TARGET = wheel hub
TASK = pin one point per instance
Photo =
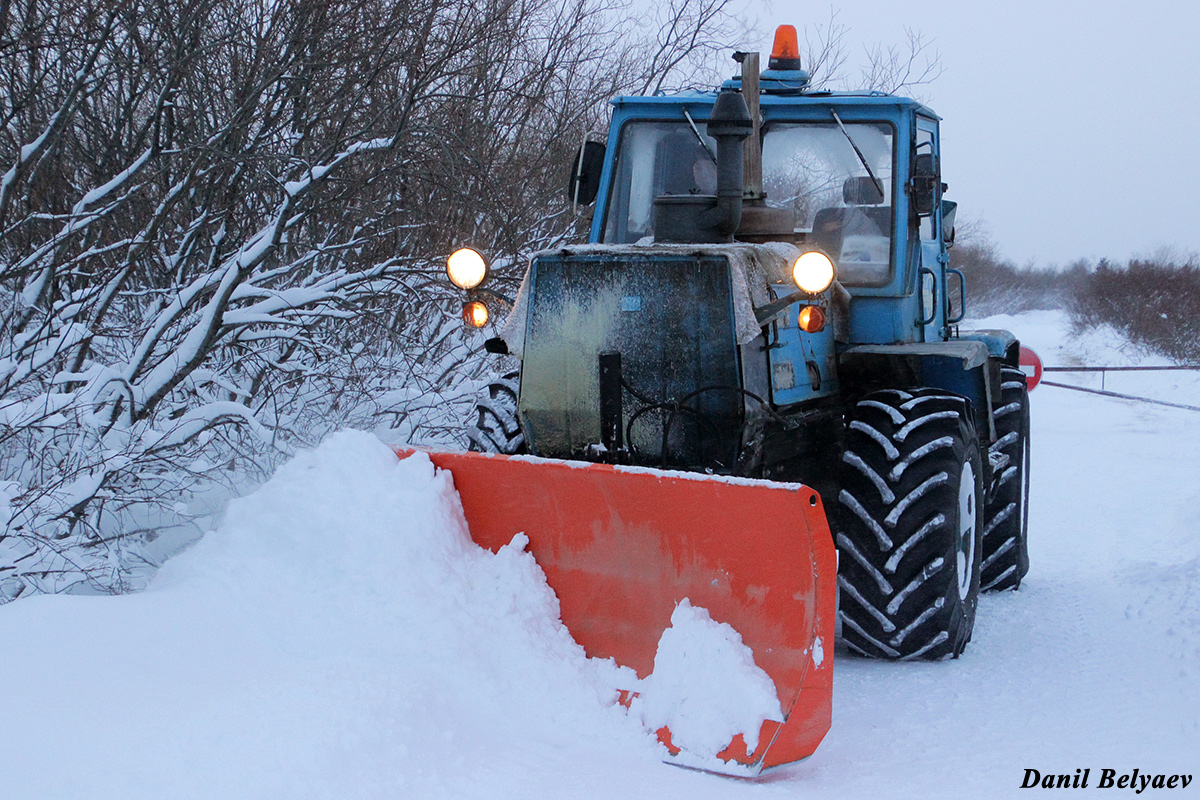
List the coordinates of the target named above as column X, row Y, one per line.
column 967, row 512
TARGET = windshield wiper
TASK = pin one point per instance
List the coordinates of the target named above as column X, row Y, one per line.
column 700, row 138
column 878, row 183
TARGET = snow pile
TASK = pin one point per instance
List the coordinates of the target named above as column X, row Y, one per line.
column 705, row 686
column 349, row 551
column 339, row 629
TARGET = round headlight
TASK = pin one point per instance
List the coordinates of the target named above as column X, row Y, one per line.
column 466, row 268
column 813, row 272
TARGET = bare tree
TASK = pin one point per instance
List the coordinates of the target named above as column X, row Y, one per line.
column 891, row 69
column 894, row 68
column 689, row 35
column 222, row 225
column 824, row 53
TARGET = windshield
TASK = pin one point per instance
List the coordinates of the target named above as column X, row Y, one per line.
column 816, row 170
column 656, row 158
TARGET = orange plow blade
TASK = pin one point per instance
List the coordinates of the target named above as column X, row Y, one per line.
column 621, row 547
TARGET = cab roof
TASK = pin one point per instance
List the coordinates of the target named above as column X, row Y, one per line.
column 772, row 103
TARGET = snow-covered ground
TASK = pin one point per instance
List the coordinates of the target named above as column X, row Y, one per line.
column 340, row 637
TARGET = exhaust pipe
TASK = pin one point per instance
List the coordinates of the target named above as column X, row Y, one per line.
column 709, row 218
column 729, row 124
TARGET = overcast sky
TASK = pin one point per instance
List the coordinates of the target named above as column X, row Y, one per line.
column 1069, row 128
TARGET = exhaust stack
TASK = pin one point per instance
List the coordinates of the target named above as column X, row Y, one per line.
column 705, row 218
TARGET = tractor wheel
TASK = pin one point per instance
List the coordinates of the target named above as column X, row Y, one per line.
column 496, row 427
column 908, row 525
column 1005, row 532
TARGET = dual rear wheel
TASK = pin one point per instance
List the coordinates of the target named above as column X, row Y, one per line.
column 909, row 525
column 919, row 534
column 1006, row 529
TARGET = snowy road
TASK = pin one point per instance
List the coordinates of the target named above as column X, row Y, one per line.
column 295, row 655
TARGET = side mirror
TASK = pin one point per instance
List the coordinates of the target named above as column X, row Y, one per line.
column 585, row 174
column 926, row 175
column 949, row 208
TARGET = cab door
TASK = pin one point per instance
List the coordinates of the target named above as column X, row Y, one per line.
column 931, row 253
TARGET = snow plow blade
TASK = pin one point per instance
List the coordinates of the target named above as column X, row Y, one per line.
column 622, row 546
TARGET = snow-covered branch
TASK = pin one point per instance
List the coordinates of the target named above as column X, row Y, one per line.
column 222, row 226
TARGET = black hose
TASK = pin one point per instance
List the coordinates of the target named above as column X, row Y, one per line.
column 695, row 414
column 636, row 394
column 674, row 408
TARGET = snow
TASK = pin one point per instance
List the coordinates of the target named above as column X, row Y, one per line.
column 318, row 173
column 340, row 636
column 100, row 192
column 208, row 415
column 8, row 492
column 705, row 686
column 340, row 629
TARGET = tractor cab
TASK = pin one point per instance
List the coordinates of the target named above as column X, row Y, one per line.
column 853, row 175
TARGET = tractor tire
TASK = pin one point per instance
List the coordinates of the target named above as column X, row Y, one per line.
column 496, row 427
column 1006, row 526
column 908, row 525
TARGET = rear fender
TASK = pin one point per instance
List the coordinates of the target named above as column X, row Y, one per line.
column 961, row 367
column 1002, row 345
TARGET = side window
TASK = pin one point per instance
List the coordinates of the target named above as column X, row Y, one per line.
column 924, row 144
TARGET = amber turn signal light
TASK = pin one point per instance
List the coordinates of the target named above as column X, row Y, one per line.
column 475, row 314
column 812, row 319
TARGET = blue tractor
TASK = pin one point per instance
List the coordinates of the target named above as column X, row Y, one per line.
column 766, row 294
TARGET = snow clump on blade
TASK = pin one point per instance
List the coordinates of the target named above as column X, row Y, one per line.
column 705, row 686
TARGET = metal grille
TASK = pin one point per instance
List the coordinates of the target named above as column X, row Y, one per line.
column 671, row 319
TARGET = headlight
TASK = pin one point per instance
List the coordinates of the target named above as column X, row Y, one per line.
column 475, row 314
column 466, row 268
column 813, row 272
